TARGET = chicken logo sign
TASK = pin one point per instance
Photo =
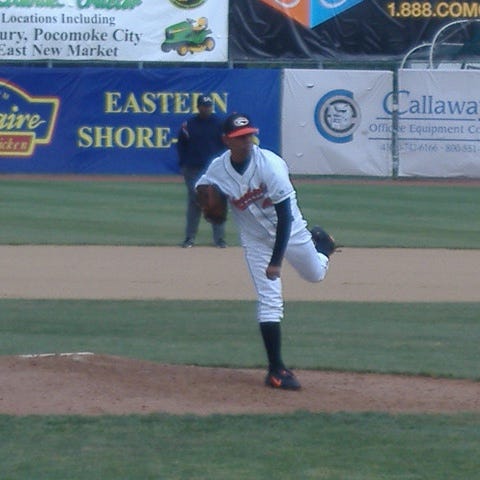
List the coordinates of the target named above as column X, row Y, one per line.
column 25, row 120
column 311, row 13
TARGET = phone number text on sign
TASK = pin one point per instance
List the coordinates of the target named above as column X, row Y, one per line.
column 408, row 146
column 437, row 10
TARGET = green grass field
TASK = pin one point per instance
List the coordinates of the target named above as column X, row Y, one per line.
column 428, row 339
column 147, row 213
column 297, row 446
column 439, row 340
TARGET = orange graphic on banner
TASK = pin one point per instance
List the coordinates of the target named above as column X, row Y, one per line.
column 299, row 10
column 311, row 13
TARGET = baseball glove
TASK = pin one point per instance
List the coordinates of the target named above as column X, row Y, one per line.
column 324, row 243
column 213, row 203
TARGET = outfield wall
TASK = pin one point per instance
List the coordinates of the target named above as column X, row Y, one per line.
column 118, row 121
column 323, row 122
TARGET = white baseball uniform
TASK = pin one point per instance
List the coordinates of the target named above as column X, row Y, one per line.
column 252, row 196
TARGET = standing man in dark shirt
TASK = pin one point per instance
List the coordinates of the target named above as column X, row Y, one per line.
column 199, row 142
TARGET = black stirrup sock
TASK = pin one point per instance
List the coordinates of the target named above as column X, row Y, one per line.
column 272, row 339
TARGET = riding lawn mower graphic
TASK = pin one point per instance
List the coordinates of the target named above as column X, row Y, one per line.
column 189, row 36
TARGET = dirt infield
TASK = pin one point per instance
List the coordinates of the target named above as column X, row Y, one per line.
column 97, row 272
column 95, row 384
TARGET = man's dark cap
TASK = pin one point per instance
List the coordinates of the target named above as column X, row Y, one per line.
column 204, row 100
column 238, row 124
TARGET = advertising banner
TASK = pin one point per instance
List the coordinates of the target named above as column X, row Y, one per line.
column 334, row 122
column 346, row 29
column 109, row 31
column 438, row 126
column 119, row 121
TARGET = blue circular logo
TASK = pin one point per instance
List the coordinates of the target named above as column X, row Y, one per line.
column 337, row 116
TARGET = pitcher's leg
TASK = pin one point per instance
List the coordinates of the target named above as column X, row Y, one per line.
column 269, row 293
column 269, row 315
column 309, row 264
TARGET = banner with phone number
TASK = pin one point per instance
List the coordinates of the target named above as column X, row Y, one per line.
column 438, row 123
column 346, row 29
column 119, row 121
column 335, row 122
column 113, row 31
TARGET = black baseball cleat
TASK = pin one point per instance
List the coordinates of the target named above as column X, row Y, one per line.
column 324, row 243
column 283, row 379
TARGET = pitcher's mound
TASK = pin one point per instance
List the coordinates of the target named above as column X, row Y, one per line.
column 91, row 384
